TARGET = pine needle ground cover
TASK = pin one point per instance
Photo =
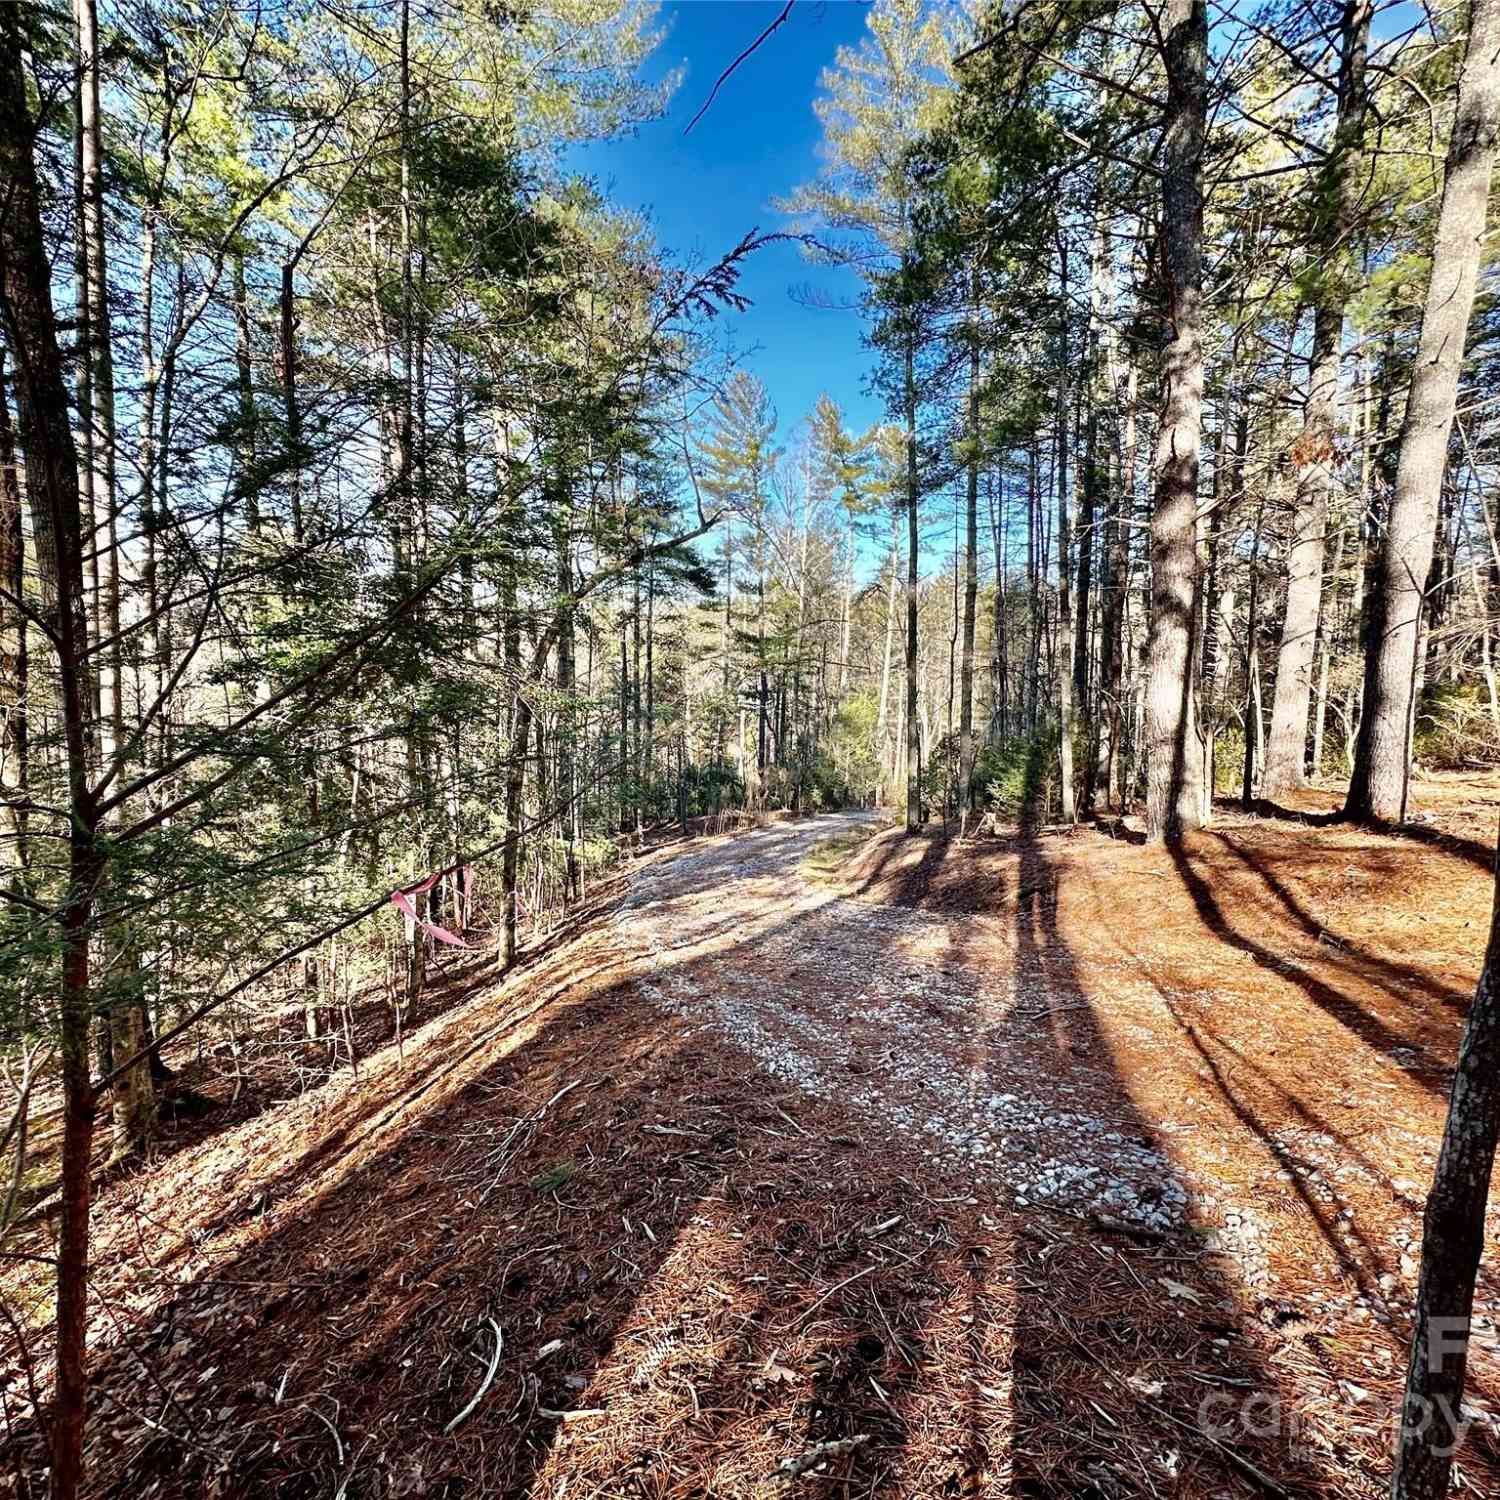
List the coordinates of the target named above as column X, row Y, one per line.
column 675, row 1249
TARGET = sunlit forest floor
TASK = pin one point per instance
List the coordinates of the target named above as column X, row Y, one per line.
column 1043, row 1164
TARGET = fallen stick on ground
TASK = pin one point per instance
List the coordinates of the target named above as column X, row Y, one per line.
column 793, row 1468
column 489, row 1376
column 879, row 1265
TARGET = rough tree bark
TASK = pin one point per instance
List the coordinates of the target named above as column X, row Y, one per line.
column 567, row 775
column 1336, row 212
column 1064, row 563
column 881, row 719
column 999, row 725
column 1174, row 764
column 1377, row 790
column 515, row 765
column 1115, row 586
column 971, row 573
column 53, row 485
column 1452, row 1241
column 14, row 708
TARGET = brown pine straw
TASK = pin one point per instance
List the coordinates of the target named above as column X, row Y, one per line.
column 662, row 1273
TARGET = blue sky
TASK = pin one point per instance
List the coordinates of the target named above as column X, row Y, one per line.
column 757, row 142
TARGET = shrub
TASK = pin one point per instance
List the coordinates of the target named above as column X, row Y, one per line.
column 1017, row 778
column 1455, row 728
column 1229, row 761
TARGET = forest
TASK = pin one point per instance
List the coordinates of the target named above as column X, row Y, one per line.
column 458, row 719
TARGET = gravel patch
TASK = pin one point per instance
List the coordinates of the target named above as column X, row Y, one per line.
column 869, row 1004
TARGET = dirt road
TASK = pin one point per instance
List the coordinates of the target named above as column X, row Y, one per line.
column 876, row 1005
column 1183, row 1043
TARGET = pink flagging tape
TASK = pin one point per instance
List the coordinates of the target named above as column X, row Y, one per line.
column 402, row 901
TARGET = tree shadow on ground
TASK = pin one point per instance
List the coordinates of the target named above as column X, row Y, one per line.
column 281, row 1061
column 1473, row 851
column 215, row 1089
column 1140, row 1339
column 667, row 1233
column 1420, row 1040
column 559, row 1180
column 1400, row 981
column 1225, row 1063
column 1089, row 1372
column 1362, row 1258
column 1347, row 1223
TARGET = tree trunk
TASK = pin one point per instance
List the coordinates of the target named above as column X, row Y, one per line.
column 292, row 411
column 1089, row 603
column 1286, row 749
column 53, row 486
column 1322, row 655
column 1033, row 584
column 515, row 765
column 848, row 610
column 15, row 739
column 881, row 719
column 1378, row 788
column 1174, row 764
column 245, row 382
column 1453, row 1234
column 134, row 1100
column 1254, row 749
column 1254, row 715
column 637, row 740
column 1064, row 565
column 1000, row 659
column 161, row 626
column 762, row 683
column 515, row 786
column 567, row 773
column 1116, row 584
column 913, row 741
column 971, row 576
column 625, row 730
column 1338, row 199
column 648, row 753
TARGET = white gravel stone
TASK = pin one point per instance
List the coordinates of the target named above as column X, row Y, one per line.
column 875, row 1048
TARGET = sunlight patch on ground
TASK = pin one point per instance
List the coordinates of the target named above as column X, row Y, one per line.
column 837, row 997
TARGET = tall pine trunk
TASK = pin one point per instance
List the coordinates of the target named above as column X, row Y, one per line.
column 567, row 772
column 515, row 765
column 1377, row 791
column 14, row 648
column 53, row 486
column 999, row 725
column 1453, row 1238
column 881, row 718
column 134, row 1100
column 971, row 572
column 1336, row 213
column 1114, row 587
column 1064, row 563
column 1174, row 762
column 913, row 736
